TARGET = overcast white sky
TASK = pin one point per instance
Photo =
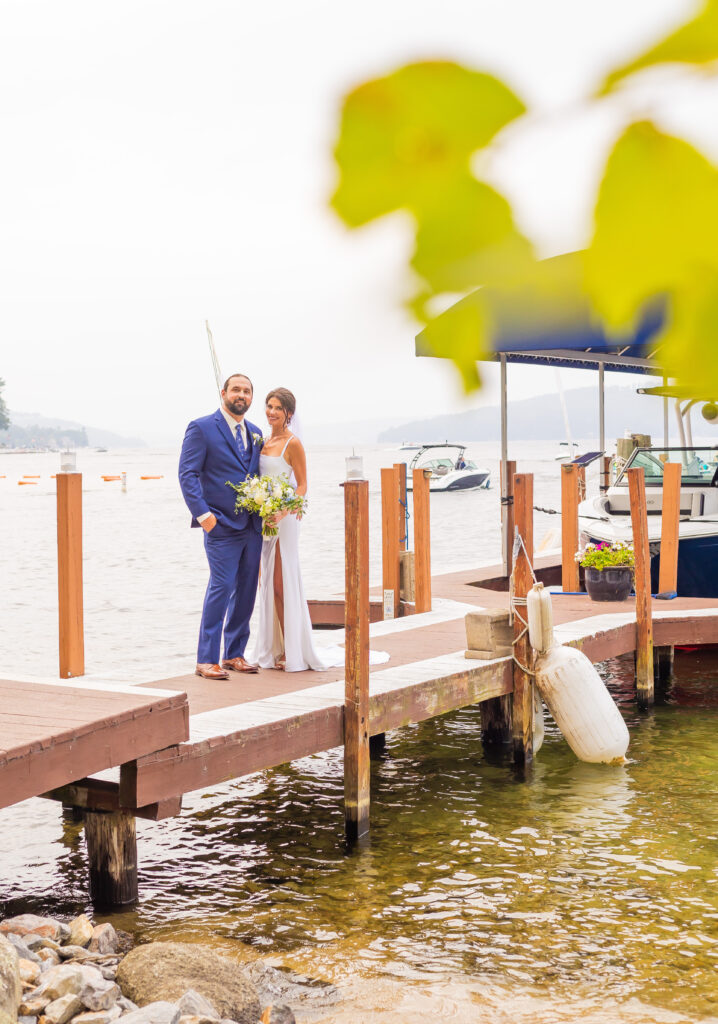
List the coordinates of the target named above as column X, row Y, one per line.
column 167, row 162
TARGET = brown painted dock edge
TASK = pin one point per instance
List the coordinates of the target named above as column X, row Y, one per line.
column 52, row 735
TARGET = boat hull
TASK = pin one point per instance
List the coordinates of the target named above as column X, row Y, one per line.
column 457, row 482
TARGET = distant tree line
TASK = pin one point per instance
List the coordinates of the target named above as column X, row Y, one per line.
column 42, row 437
column 4, row 418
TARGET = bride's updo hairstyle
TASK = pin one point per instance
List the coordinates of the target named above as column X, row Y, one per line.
column 287, row 401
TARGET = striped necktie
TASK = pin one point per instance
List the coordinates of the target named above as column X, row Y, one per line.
column 240, row 439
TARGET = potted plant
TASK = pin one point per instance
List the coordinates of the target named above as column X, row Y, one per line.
column 609, row 570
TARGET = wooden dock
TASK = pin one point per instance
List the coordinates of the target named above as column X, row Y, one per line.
column 173, row 736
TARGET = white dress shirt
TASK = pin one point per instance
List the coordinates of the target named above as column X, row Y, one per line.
column 234, row 425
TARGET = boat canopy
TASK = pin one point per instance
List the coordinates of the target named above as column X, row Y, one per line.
column 546, row 319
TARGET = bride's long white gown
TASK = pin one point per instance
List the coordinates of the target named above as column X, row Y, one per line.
column 297, row 644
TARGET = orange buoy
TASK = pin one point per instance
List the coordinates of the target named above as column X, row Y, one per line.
column 106, row 478
column 28, row 483
column 160, row 477
column 31, row 476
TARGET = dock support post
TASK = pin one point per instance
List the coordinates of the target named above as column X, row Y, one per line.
column 69, row 574
column 422, row 540
column 605, row 473
column 507, row 513
column 496, row 721
column 112, row 852
column 401, row 469
column 663, row 658
column 390, row 507
column 377, row 744
column 356, row 673
column 523, row 696
column 644, row 621
column 569, row 528
column 581, row 483
column 670, row 519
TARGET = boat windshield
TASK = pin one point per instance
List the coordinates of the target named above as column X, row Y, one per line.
column 699, row 465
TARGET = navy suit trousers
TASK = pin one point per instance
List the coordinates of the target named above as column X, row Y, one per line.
column 233, row 557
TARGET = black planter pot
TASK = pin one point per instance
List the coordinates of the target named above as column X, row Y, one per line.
column 609, row 584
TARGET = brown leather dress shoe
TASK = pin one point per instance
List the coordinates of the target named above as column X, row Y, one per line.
column 208, row 671
column 239, row 665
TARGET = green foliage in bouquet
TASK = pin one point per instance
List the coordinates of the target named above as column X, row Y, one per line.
column 266, row 496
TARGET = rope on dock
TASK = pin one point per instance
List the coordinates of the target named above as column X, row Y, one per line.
column 516, row 602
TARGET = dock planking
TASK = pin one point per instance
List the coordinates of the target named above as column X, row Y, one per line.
column 257, row 722
column 174, row 736
column 52, row 734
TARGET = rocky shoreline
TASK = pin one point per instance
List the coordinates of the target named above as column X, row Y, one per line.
column 54, row 972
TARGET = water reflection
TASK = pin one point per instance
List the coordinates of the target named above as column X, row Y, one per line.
column 589, row 891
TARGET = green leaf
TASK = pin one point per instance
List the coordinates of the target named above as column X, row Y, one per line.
column 696, row 42
column 689, row 350
column 656, row 223
column 467, row 237
column 461, row 334
column 407, row 137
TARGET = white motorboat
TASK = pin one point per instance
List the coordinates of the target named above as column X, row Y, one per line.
column 608, row 516
column 450, row 471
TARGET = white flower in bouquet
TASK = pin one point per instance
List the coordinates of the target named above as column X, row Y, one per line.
column 266, row 496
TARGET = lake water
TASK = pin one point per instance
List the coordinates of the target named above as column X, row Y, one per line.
column 585, row 893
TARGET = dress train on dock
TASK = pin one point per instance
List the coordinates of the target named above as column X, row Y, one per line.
column 297, row 643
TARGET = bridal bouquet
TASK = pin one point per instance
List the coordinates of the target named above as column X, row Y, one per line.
column 266, row 496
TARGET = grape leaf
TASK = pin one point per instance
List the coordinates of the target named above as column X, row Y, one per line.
column 468, row 238
column 461, row 334
column 696, row 42
column 689, row 349
column 656, row 223
column 407, row 137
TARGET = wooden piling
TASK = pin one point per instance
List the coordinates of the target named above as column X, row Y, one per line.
column 69, row 574
column 401, row 469
column 112, row 854
column 581, row 483
column 496, row 721
column 670, row 519
column 422, row 540
column 569, row 527
column 605, row 473
column 663, row 658
column 507, row 500
column 644, row 622
column 523, row 695
column 377, row 745
column 356, row 673
column 390, row 507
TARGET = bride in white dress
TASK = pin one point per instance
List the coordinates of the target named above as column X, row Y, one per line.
column 285, row 629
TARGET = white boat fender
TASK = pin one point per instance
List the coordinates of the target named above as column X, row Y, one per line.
column 574, row 693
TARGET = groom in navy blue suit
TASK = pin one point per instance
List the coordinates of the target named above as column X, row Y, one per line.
column 216, row 448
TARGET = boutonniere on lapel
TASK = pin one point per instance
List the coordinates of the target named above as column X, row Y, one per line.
column 258, row 440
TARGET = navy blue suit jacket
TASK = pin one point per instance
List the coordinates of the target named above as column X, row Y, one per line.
column 209, row 458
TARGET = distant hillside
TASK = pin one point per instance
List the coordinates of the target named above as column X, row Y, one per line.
column 31, row 429
column 541, row 419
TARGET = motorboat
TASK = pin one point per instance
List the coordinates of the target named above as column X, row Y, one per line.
column 608, row 516
column 450, row 471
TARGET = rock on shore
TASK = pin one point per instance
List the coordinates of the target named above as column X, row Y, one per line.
column 10, row 985
column 57, row 973
column 166, row 970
